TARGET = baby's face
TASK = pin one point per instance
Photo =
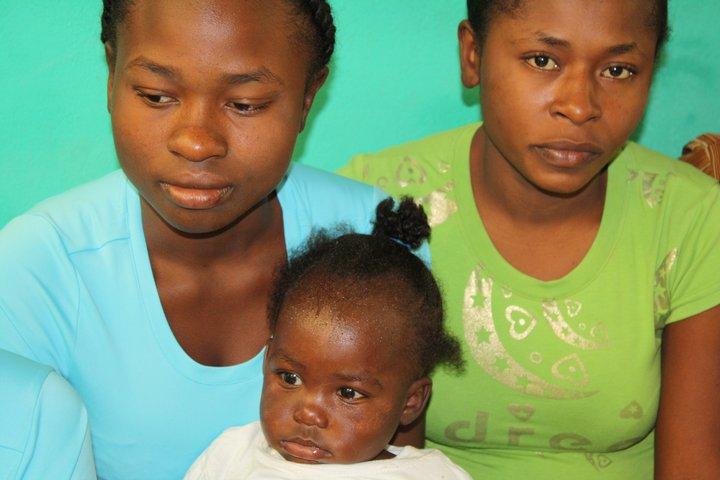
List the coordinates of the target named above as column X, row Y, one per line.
column 335, row 391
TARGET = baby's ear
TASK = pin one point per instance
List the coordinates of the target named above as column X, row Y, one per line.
column 417, row 397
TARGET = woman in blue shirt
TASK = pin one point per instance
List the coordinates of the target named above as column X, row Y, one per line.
column 147, row 289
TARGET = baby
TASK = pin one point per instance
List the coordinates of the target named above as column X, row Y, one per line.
column 357, row 328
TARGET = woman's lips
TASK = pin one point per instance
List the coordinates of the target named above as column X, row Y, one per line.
column 568, row 154
column 304, row 450
column 195, row 197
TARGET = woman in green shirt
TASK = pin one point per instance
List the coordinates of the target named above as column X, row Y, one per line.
column 575, row 263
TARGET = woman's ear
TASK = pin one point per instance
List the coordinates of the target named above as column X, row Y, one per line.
column 417, row 397
column 110, row 60
column 469, row 55
column 311, row 91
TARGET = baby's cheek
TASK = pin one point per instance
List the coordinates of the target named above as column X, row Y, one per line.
column 369, row 434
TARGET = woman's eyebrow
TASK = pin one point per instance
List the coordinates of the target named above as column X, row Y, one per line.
column 153, row 67
column 551, row 41
column 622, row 48
column 262, row 75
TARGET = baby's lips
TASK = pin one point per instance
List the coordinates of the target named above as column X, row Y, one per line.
column 305, row 450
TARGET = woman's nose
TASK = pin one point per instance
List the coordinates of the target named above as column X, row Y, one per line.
column 197, row 138
column 312, row 414
column 576, row 99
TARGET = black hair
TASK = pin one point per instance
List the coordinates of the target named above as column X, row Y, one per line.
column 382, row 263
column 480, row 13
column 315, row 14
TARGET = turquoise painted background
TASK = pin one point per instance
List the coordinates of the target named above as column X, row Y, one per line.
column 395, row 78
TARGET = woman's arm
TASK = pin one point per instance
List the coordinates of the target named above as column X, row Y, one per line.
column 687, row 441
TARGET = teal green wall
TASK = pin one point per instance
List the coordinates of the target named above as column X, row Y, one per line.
column 395, row 78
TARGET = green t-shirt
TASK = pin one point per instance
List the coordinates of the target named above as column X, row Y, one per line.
column 562, row 377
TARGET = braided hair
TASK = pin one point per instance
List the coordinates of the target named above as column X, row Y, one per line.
column 359, row 266
column 480, row 12
column 314, row 19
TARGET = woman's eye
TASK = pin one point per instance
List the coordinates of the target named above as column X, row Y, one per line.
column 155, row 99
column 617, row 72
column 542, row 62
column 291, row 378
column 350, row 394
column 246, row 108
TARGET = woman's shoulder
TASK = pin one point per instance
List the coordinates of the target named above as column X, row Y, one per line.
column 656, row 169
column 314, row 198
column 84, row 217
column 315, row 182
column 406, row 167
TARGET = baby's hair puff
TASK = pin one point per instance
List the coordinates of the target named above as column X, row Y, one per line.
column 343, row 267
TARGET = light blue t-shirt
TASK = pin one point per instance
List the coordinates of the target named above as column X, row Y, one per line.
column 77, row 293
column 44, row 430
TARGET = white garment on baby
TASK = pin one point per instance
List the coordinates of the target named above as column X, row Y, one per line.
column 242, row 453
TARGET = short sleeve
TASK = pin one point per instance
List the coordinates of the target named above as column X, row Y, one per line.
column 694, row 272
column 38, row 292
column 59, row 444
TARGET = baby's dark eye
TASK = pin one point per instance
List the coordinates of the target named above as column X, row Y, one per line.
column 291, row 378
column 618, row 72
column 350, row 394
column 542, row 62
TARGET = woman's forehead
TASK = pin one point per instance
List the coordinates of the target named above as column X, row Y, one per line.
column 218, row 37
column 609, row 15
column 613, row 21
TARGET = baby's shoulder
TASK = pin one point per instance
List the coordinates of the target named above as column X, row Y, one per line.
column 232, row 451
column 428, row 463
column 238, row 437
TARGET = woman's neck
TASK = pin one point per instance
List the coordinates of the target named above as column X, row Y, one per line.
column 246, row 235
column 500, row 188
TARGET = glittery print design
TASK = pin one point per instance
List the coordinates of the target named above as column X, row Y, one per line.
column 571, row 370
column 438, row 205
column 522, row 413
column 410, row 172
column 599, row 461
column 563, row 330
column 521, row 322
column 632, row 411
column 662, row 298
column 653, row 188
column 489, row 352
